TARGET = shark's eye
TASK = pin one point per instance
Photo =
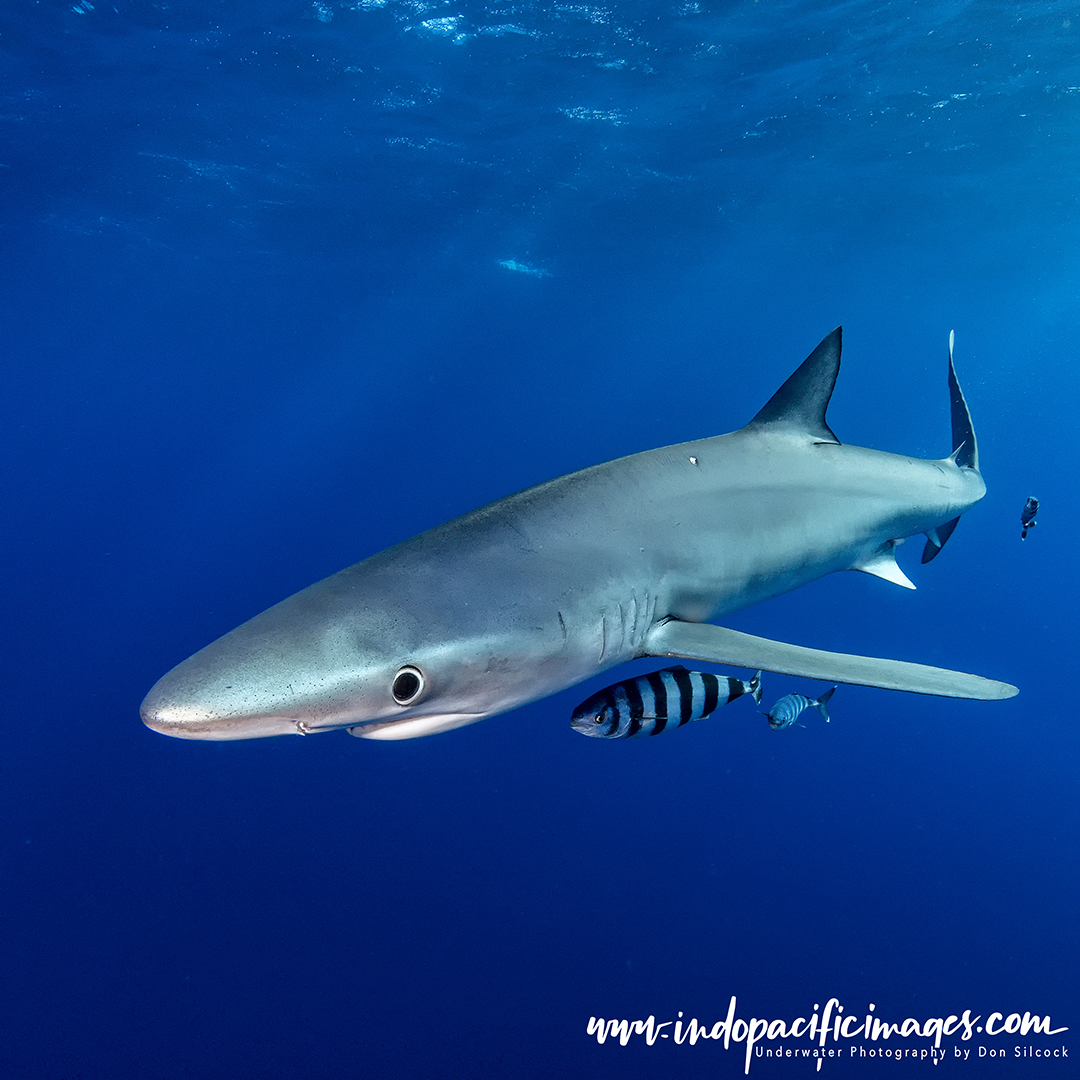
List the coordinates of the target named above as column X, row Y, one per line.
column 408, row 685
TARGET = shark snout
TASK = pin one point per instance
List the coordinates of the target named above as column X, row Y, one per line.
column 172, row 714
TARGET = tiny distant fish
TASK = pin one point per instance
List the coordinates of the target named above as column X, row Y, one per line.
column 1027, row 516
column 653, row 703
column 524, row 268
column 788, row 709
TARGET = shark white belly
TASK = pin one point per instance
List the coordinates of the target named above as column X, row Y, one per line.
column 542, row 589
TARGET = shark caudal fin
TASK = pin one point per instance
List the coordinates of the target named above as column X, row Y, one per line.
column 965, row 452
column 935, row 539
column 799, row 405
column 965, row 447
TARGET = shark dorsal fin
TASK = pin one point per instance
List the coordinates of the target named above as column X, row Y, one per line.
column 800, row 404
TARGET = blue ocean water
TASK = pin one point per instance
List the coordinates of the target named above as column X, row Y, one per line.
column 285, row 283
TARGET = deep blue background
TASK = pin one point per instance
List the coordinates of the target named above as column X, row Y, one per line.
column 256, row 326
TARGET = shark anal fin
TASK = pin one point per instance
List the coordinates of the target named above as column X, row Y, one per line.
column 718, row 645
column 935, row 539
column 882, row 564
column 800, row 404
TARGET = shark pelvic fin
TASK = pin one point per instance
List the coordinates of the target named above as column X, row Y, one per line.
column 935, row 539
column 882, row 564
column 800, row 404
column 718, row 645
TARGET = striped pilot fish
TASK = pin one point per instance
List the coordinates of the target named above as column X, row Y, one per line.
column 658, row 701
column 789, row 708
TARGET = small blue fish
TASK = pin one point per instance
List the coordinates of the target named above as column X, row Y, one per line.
column 655, row 702
column 788, row 709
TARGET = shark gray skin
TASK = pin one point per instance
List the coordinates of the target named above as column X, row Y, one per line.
column 533, row 593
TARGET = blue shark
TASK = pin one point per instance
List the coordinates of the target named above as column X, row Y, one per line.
column 628, row 559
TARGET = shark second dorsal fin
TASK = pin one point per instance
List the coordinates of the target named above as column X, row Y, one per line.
column 799, row 405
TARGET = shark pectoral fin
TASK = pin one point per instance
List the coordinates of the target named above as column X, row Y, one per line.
column 882, row 564
column 718, row 645
column 935, row 539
